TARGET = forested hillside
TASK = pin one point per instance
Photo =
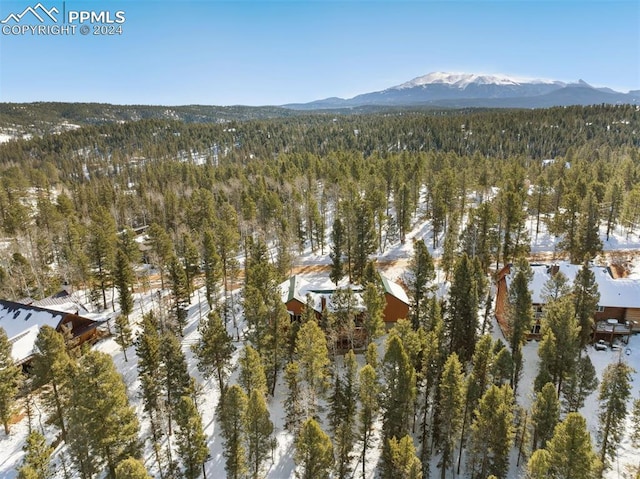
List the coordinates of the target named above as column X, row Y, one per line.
column 123, row 208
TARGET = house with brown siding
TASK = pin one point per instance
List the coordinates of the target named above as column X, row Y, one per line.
column 618, row 312
column 22, row 322
column 294, row 293
column 397, row 302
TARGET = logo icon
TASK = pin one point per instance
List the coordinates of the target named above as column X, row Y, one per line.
column 38, row 11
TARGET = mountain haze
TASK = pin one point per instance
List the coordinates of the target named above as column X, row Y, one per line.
column 456, row 90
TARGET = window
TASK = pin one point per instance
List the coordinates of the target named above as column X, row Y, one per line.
column 599, row 309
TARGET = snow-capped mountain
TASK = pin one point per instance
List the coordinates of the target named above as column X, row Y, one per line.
column 462, row 80
column 458, row 90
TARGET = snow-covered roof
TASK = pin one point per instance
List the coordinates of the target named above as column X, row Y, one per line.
column 294, row 288
column 321, row 290
column 614, row 293
column 617, row 293
column 394, row 289
column 22, row 323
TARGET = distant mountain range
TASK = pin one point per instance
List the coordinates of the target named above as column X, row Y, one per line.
column 462, row 90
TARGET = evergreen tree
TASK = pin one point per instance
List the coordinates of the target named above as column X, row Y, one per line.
column 420, row 274
column 480, row 237
column 252, row 376
column 313, row 361
column 634, row 434
column 227, row 238
column 404, row 462
column 230, row 414
column 180, row 292
column 579, row 385
column 571, row 455
column 174, row 374
column 374, row 304
column 191, row 262
column 399, row 394
column 211, row 266
column 103, row 428
column 567, row 223
column 520, row 316
column 560, row 345
column 128, row 245
column 265, row 312
column 149, row 363
column 369, row 391
column 9, row 381
column 214, row 349
column 258, row 434
column 313, row 452
column 403, row 211
column 512, row 214
column 613, row 396
column 346, row 309
column 343, row 415
column 613, row 198
column 101, row 248
column 337, row 251
column 293, row 406
column 585, row 300
column 161, row 248
column 589, row 244
column 502, row 367
column 476, row 385
column 365, row 239
column 371, row 355
column 37, row 458
column 538, row 465
column 449, row 410
column 50, row 365
column 555, row 287
column 123, row 334
column 462, row 316
column 450, row 247
column 371, row 275
column 191, row 439
column 123, row 277
column 545, row 414
column 131, row 468
column 492, row 433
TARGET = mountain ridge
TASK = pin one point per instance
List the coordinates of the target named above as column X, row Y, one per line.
column 478, row 90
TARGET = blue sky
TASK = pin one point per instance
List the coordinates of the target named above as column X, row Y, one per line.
column 269, row 52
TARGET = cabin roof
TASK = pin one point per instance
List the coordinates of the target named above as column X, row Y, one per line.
column 614, row 293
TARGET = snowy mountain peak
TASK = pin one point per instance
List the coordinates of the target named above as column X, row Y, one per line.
column 463, row 80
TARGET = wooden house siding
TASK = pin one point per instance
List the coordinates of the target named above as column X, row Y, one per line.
column 295, row 306
column 394, row 309
column 633, row 316
column 610, row 313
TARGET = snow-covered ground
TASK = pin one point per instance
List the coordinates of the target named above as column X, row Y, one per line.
column 393, row 263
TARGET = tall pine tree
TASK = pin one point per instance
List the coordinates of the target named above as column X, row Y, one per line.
column 462, row 316
column 230, row 414
column 613, row 396
column 214, row 349
column 9, row 381
column 314, row 453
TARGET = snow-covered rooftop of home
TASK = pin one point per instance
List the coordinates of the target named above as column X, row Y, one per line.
column 22, row 322
column 394, row 289
column 614, row 293
column 322, row 289
column 617, row 293
column 64, row 302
